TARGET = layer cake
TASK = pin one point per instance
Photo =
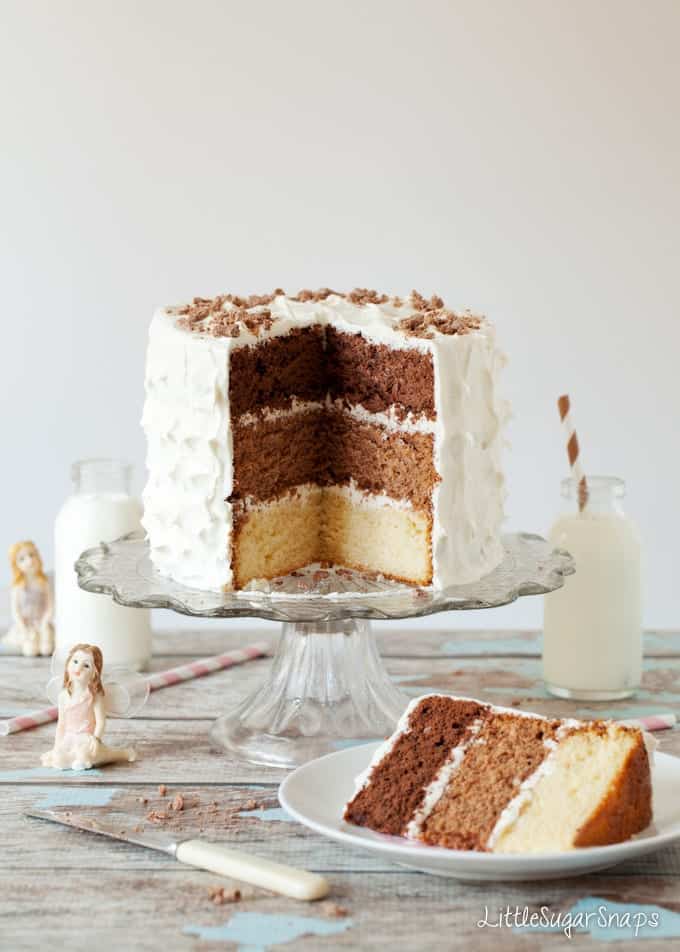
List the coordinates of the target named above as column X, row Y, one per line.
column 466, row 775
column 353, row 429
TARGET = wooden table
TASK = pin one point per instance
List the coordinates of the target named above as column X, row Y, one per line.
column 63, row 889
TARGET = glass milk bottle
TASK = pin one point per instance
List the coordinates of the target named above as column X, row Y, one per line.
column 592, row 641
column 99, row 510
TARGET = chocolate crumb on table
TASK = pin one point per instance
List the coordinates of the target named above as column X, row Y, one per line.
column 334, row 911
column 219, row 895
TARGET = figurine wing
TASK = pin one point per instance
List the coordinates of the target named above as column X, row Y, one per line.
column 57, row 663
column 53, row 688
column 125, row 692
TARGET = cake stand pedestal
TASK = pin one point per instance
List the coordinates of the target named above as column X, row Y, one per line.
column 327, row 685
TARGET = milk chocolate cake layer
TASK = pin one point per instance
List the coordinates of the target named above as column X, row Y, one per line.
column 506, row 751
column 273, row 455
column 331, row 448
column 397, row 463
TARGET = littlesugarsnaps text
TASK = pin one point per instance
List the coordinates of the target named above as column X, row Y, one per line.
column 544, row 919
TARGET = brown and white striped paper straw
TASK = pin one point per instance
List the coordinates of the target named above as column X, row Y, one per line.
column 162, row 679
column 564, row 406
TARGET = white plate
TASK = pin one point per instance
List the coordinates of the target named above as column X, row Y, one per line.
column 316, row 793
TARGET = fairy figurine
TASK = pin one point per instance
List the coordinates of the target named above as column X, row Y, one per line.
column 83, row 704
column 32, row 606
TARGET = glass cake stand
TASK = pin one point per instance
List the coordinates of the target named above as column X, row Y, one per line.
column 327, row 684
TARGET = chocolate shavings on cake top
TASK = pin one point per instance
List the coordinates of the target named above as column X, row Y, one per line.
column 227, row 314
column 431, row 316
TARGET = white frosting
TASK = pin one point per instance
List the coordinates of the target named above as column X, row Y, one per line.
column 188, row 429
column 188, row 426
column 389, row 420
column 270, row 414
column 468, row 502
column 367, row 500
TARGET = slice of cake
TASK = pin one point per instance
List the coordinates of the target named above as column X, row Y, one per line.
column 470, row 776
column 355, row 429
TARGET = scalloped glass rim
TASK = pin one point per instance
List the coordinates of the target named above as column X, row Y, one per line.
column 123, row 569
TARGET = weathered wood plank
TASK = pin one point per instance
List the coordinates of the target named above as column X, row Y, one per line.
column 171, row 751
column 176, row 751
column 395, row 639
column 168, row 909
column 218, row 813
column 222, row 814
column 499, row 680
column 84, row 873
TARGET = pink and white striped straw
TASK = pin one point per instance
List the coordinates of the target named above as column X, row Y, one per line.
column 162, row 679
column 653, row 722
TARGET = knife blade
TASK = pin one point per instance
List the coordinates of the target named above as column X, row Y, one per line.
column 202, row 854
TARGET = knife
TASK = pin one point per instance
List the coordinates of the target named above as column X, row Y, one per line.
column 295, row 883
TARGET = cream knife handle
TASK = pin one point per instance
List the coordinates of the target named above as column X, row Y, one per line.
column 296, row 883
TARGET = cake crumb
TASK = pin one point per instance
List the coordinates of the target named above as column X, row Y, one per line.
column 515, row 702
column 334, row 911
column 251, row 805
column 219, row 895
column 162, row 790
column 178, row 803
column 155, row 816
column 143, row 800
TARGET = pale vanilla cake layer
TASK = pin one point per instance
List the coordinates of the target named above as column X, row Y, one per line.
column 567, row 793
column 204, row 392
column 337, row 524
column 276, row 537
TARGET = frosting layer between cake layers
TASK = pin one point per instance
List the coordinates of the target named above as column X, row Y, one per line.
column 323, row 393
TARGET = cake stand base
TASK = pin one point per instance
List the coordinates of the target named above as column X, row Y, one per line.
column 327, row 687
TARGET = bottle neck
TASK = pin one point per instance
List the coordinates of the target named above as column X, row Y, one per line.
column 101, row 476
column 604, row 494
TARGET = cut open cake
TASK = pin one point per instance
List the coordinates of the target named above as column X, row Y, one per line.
column 470, row 776
column 353, row 429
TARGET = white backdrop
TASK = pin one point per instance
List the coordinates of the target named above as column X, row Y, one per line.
column 521, row 158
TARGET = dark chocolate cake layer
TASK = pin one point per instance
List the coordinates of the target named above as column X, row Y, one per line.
column 272, row 373
column 309, row 363
column 377, row 376
column 398, row 783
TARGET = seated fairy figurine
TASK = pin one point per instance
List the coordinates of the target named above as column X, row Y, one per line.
column 33, row 631
column 82, row 716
